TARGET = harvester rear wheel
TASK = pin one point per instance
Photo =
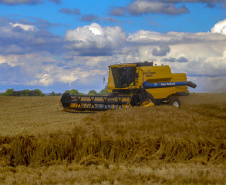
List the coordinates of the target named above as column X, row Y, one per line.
column 174, row 102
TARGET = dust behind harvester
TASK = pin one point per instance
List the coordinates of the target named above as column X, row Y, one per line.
column 134, row 84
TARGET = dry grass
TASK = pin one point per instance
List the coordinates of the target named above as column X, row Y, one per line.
column 34, row 115
column 204, row 98
column 160, row 144
column 154, row 172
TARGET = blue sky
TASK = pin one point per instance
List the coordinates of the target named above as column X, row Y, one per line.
column 55, row 45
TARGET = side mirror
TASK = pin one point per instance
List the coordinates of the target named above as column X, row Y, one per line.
column 104, row 83
column 103, row 80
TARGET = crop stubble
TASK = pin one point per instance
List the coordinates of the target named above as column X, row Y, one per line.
column 35, row 133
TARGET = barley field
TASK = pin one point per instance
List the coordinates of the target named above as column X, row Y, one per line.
column 40, row 144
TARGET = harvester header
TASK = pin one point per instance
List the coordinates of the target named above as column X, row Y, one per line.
column 134, row 84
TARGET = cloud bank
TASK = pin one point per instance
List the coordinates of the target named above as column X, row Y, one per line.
column 142, row 7
column 17, row 2
column 169, row 7
column 35, row 57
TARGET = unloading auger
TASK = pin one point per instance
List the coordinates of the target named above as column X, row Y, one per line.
column 134, row 84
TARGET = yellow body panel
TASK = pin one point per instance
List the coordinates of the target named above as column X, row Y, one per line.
column 160, row 93
column 155, row 74
column 111, row 83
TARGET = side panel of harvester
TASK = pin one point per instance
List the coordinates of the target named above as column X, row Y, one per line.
column 161, row 74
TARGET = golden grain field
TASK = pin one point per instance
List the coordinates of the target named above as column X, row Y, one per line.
column 39, row 144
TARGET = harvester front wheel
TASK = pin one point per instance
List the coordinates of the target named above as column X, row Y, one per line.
column 135, row 100
column 174, row 102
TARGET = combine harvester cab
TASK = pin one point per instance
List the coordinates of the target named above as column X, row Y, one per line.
column 134, row 84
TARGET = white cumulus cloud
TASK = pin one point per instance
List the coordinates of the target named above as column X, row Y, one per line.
column 95, row 36
column 220, row 27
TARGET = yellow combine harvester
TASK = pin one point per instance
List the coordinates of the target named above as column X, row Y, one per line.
column 134, row 84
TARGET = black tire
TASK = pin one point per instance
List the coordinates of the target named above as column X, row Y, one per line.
column 174, row 102
column 65, row 99
column 135, row 100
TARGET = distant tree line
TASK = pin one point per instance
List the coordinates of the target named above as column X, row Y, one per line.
column 37, row 92
column 90, row 93
column 26, row 92
column 53, row 94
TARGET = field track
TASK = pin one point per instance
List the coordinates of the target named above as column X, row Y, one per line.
column 39, row 144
